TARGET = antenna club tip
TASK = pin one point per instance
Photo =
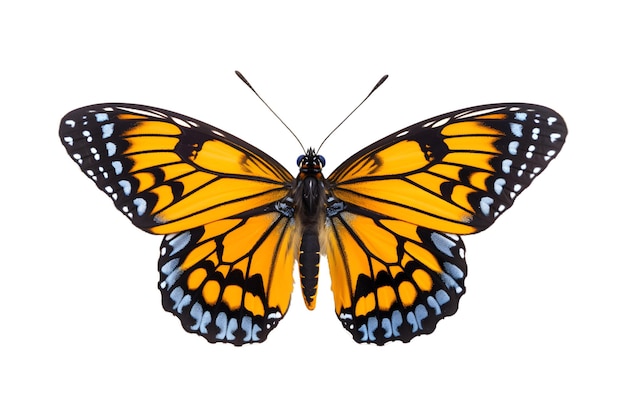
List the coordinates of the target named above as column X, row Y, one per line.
column 242, row 78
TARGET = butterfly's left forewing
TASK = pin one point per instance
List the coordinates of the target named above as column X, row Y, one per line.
column 397, row 208
column 227, row 258
column 168, row 172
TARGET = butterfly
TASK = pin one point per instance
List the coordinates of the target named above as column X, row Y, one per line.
column 389, row 218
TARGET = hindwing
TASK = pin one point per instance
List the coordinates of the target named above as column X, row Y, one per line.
column 230, row 280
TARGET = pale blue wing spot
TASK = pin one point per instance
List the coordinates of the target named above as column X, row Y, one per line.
column 410, row 318
column 171, row 270
column 420, row 314
column 513, row 147
column 396, row 321
column 485, row 205
column 107, row 130
column 450, row 282
column 386, row 325
column 246, row 326
column 231, row 328
column 516, row 129
column 454, row 271
column 179, row 242
column 452, row 274
column 442, row 243
column 442, row 297
column 117, row 166
column 521, row 116
column 372, row 325
column 181, row 300
column 101, row 117
column 434, row 305
column 126, row 188
column 363, row 330
column 498, row 185
column 69, row 140
column 203, row 318
column 141, row 205
column 255, row 333
column 506, row 166
column 221, row 322
column 111, row 148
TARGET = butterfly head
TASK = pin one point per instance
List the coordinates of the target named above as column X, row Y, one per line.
column 311, row 162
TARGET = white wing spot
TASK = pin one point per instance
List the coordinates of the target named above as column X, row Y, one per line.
column 180, row 122
column 535, row 133
column 441, row 122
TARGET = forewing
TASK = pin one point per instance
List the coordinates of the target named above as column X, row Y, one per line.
column 168, row 172
column 455, row 173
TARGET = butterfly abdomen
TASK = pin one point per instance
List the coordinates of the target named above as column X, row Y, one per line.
column 309, row 197
column 309, row 262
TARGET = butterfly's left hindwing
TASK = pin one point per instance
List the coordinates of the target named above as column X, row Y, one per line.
column 397, row 207
column 226, row 262
column 231, row 280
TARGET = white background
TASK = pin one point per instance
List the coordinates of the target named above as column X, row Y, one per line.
column 540, row 330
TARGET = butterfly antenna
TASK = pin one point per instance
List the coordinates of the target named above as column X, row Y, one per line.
column 242, row 78
column 378, row 84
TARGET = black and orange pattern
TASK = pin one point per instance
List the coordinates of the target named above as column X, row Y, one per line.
column 389, row 218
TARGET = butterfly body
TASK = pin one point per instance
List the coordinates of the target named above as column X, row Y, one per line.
column 389, row 218
column 310, row 194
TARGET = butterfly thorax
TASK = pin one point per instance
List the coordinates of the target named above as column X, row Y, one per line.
column 309, row 199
